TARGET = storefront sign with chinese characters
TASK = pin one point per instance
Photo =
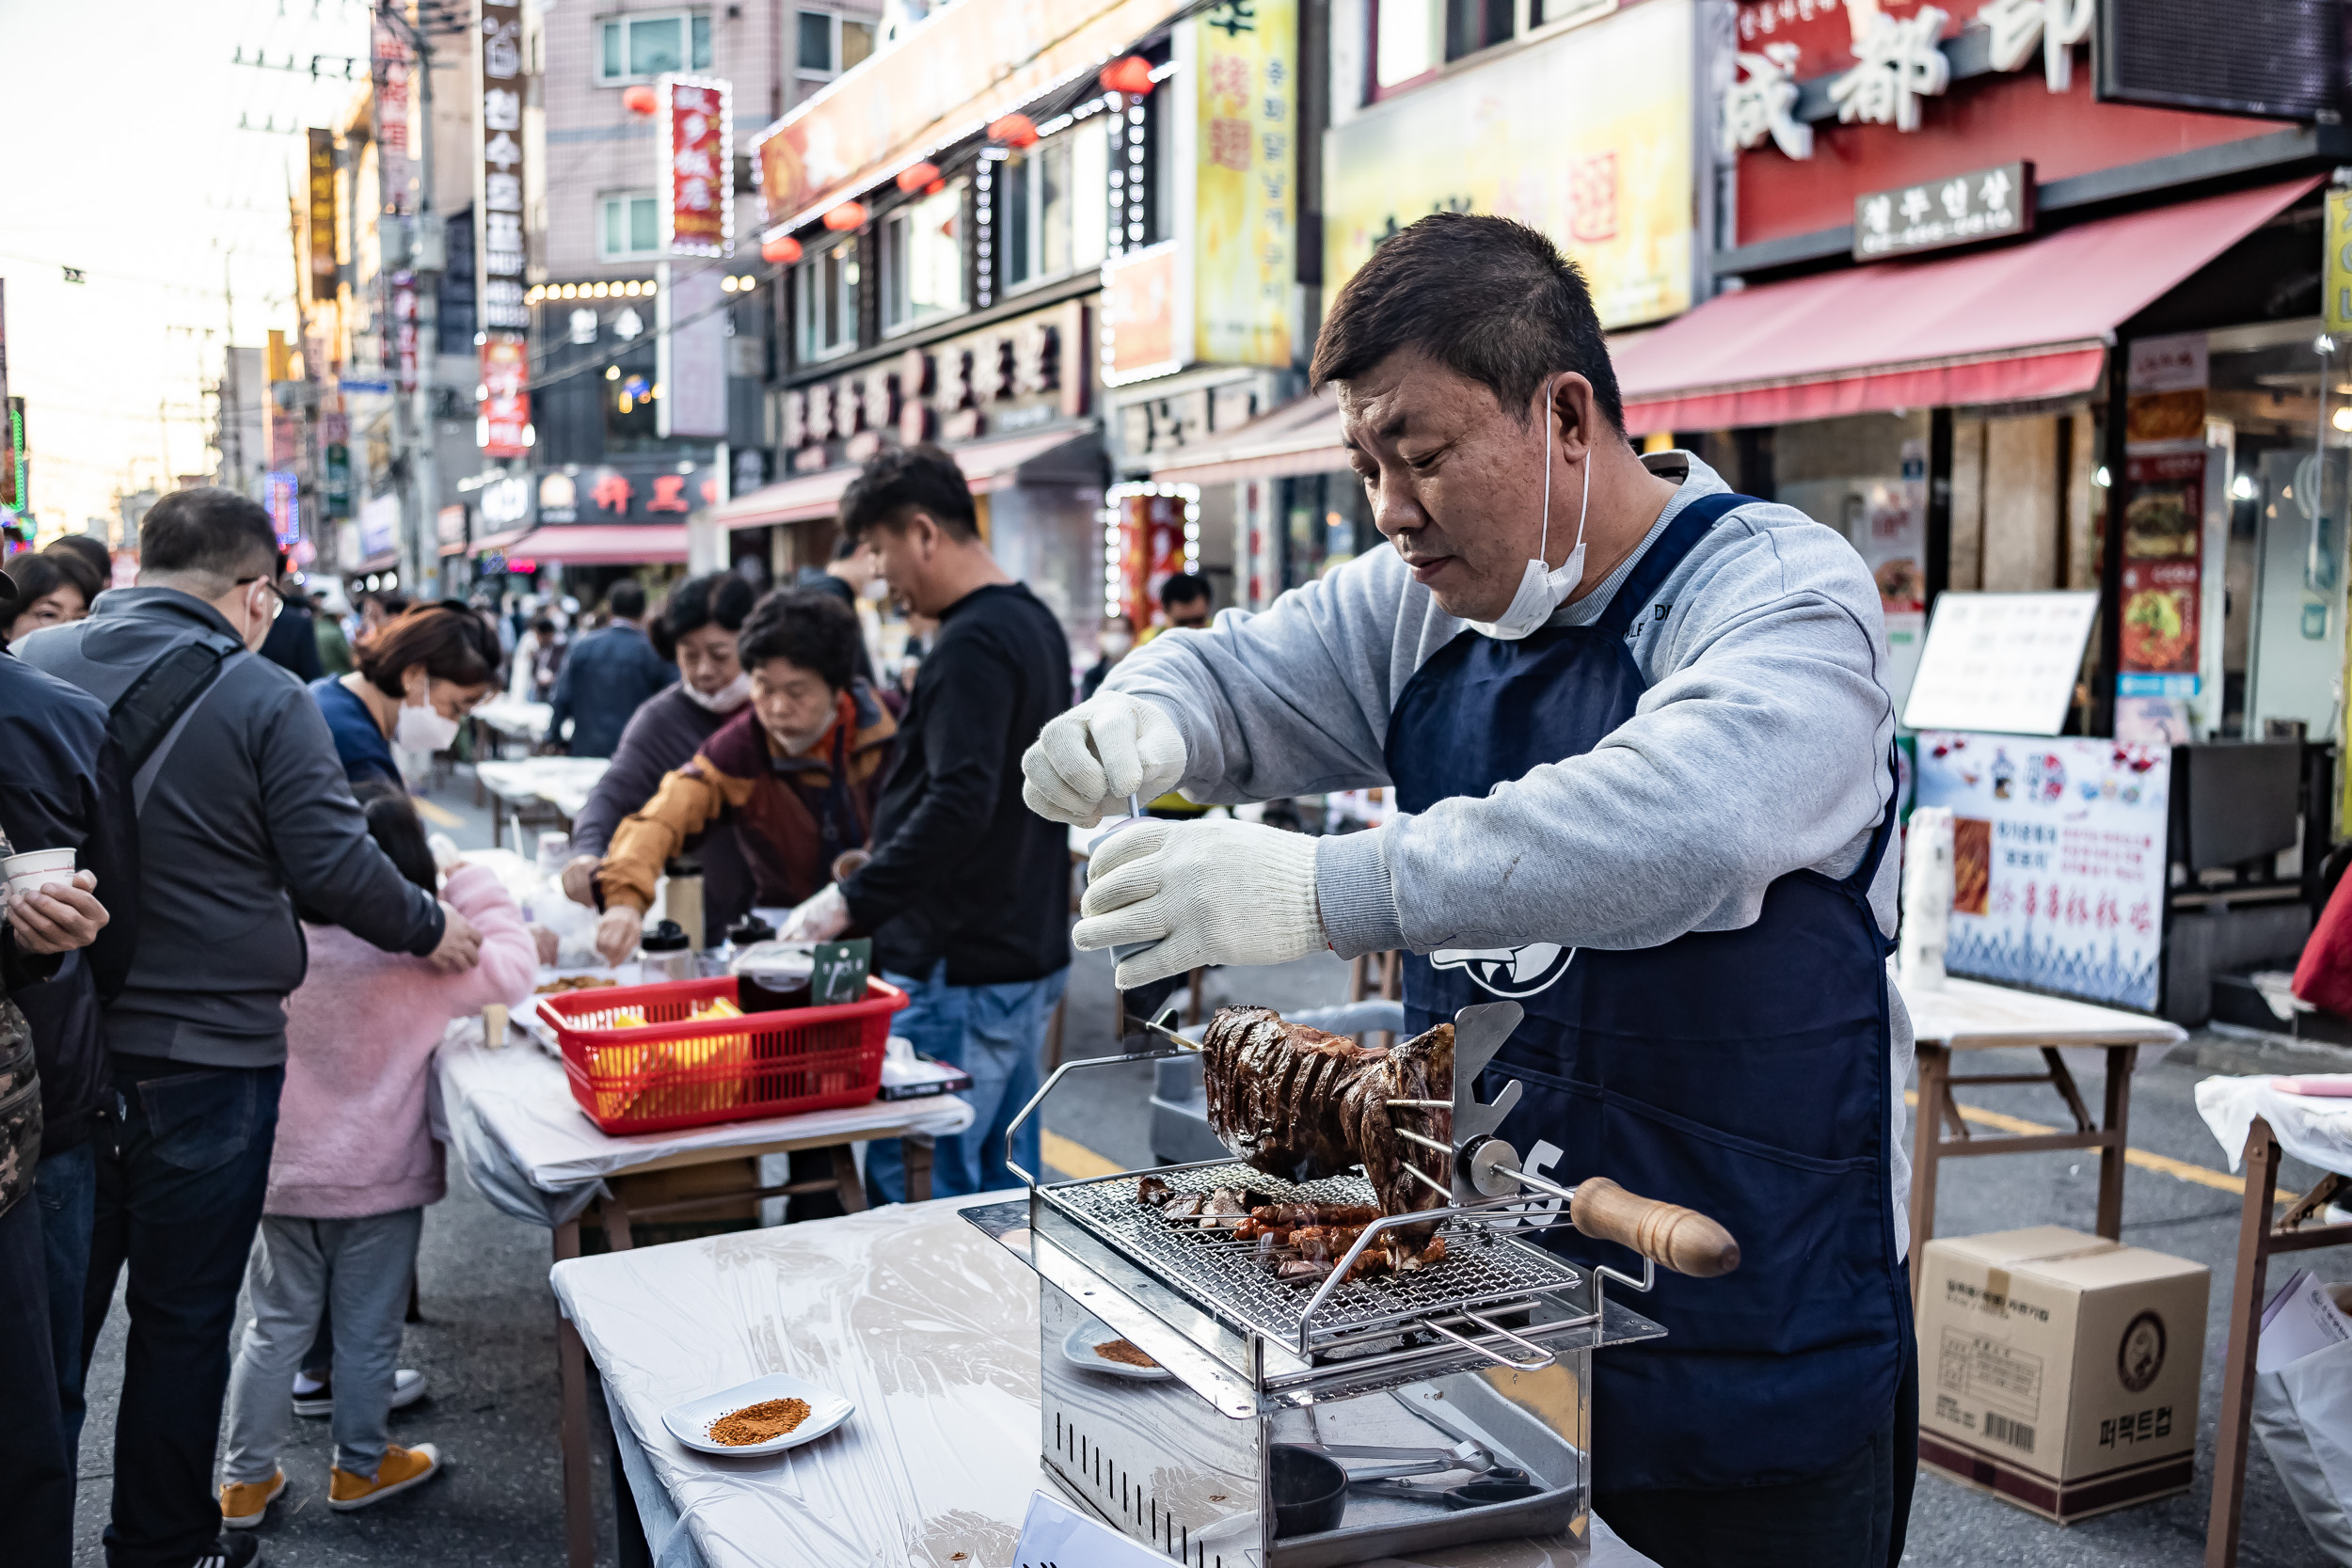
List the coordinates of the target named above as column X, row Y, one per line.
column 322, row 215
column 1960, row 209
column 404, row 289
column 1584, row 135
column 506, row 396
column 653, row 491
column 1883, row 64
column 502, row 248
column 697, row 163
column 2058, row 858
column 282, row 493
column 1245, row 200
column 396, row 157
column 1008, row 378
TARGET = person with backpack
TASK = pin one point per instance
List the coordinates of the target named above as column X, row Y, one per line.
column 242, row 811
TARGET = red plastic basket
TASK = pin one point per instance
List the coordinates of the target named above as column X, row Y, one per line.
column 674, row 1071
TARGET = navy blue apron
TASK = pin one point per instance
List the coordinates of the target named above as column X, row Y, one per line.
column 1743, row 1073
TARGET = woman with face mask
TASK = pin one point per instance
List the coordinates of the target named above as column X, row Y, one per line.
column 418, row 679
column 697, row 626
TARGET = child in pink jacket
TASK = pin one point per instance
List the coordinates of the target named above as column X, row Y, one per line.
column 355, row 1163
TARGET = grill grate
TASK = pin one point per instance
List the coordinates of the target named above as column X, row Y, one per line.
column 1226, row 1279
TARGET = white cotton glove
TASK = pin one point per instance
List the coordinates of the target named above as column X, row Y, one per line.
column 820, row 918
column 1088, row 762
column 1207, row 892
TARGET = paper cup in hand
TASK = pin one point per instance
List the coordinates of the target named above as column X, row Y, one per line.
column 41, row 868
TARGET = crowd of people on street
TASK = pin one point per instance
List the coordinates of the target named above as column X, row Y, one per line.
column 216, row 1039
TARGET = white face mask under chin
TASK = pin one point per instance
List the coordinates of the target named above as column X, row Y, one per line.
column 1541, row 590
column 725, row 700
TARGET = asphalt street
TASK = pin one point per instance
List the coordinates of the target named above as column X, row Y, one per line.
column 487, row 1338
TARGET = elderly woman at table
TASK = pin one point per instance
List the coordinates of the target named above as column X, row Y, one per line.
column 797, row 773
column 418, row 679
column 698, row 628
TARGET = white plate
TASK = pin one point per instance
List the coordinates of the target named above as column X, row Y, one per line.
column 1078, row 1350
column 689, row 1423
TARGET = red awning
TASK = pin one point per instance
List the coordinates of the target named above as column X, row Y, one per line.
column 2010, row 324
column 987, row 466
column 603, row 544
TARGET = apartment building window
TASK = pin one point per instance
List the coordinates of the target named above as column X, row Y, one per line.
column 923, row 259
column 1413, row 40
column 635, row 48
column 830, row 43
column 825, row 302
column 1053, row 210
column 628, row 225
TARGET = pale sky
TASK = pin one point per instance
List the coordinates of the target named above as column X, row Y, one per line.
column 125, row 160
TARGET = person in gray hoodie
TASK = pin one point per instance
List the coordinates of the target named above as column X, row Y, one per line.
column 1644, row 797
column 242, row 812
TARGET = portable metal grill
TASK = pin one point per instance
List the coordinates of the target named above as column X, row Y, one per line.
column 1452, row 1402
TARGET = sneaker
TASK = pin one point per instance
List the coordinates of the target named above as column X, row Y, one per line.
column 243, row 1502
column 230, row 1551
column 408, row 1388
column 401, row 1470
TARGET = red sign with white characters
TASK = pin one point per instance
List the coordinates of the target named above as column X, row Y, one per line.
column 506, row 396
column 697, row 157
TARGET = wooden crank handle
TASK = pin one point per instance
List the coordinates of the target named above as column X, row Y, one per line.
column 1667, row 1234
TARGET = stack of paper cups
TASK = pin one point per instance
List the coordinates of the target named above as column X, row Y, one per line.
column 1927, row 898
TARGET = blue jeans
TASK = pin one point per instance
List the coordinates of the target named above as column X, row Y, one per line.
column 994, row 1033
column 66, row 1188
column 181, row 1172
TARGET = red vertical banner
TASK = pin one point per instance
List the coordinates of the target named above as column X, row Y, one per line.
column 506, row 399
column 697, row 163
column 1151, row 551
column 2163, row 508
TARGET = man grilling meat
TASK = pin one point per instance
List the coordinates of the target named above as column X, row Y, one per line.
column 1639, row 732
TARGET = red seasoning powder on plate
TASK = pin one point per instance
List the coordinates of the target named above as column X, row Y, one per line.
column 759, row 1424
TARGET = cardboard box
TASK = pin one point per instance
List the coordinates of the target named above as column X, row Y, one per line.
column 2060, row 1370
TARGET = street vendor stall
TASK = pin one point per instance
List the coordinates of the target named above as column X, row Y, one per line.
column 528, row 1147
column 538, row 790
column 919, row 1320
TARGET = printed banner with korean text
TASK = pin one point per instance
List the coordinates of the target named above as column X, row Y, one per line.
column 506, row 399
column 501, row 247
column 1246, row 200
column 1585, row 137
column 2057, row 859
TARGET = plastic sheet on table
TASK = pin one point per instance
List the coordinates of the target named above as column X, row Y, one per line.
column 2314, row 1129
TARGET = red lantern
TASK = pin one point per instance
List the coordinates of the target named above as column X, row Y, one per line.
column 917, row 177
column 935, row 187
column 641, row 100
column 1131, row 76
column 1013, row 131
column 845, row 217
column 783, row 250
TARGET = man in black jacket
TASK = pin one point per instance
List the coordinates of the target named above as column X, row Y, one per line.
column 242, row 811
column 968, row 896
column 64, row 787
column 608, row 676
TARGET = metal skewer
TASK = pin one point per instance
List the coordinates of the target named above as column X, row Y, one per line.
column 1422, row 1104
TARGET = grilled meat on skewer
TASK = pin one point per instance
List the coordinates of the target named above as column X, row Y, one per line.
column 1297, row 1103
column 1151, row 1192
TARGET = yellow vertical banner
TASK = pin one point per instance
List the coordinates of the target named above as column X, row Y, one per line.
column 2336, row 304
column 1246, row 186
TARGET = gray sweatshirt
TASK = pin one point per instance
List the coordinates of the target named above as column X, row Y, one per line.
column 1759, row 748
column 248, row 812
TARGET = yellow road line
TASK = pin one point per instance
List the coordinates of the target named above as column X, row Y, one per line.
column 2180, row 1170
column 440, row 816
column 1075, row 1159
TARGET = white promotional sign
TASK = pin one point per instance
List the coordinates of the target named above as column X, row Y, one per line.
column 1054, row 1535
column 2057, row 859
column 2005, row 662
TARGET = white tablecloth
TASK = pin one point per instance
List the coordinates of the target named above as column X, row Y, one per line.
column 1973, row 1014
column 535, row 1154
column 2315, row 1130
column 926, row 1325
column 528, row 721
column 563, row 783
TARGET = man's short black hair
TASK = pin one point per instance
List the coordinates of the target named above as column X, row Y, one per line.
column 1489, row 298
column 209, row 531
column 626, row 600
column 1183, row 588
column 901, row 481
column 806, row 628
